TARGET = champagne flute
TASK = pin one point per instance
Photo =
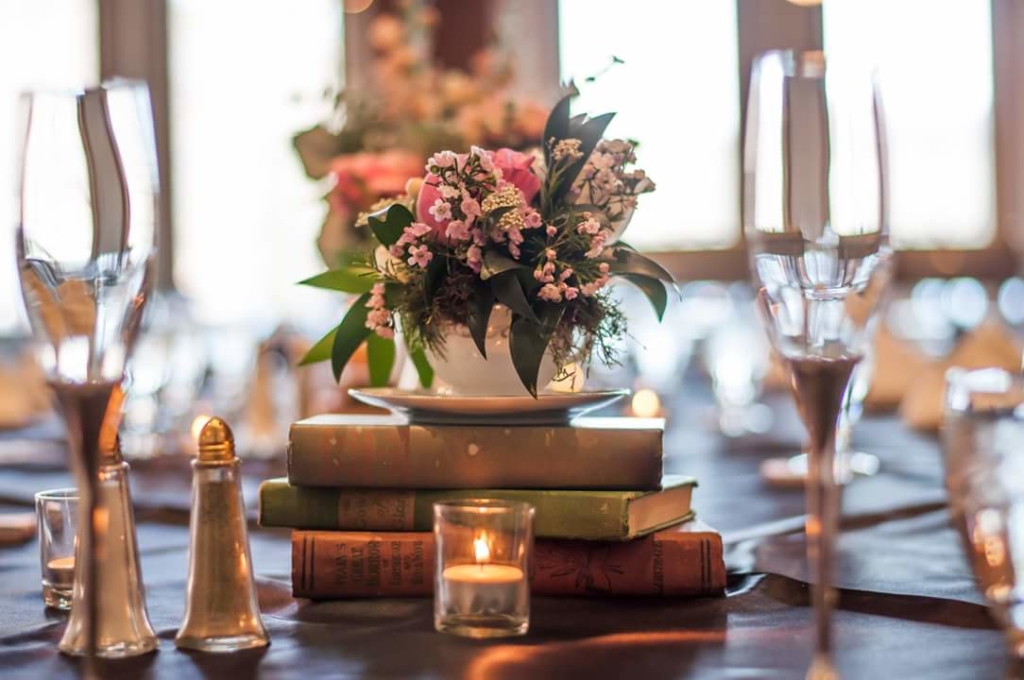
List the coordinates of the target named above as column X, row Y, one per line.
column 86, row 244
column 816, row 227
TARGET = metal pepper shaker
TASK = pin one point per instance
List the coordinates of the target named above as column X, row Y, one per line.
column 221, row 611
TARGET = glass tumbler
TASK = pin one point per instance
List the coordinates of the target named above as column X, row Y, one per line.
column 482, row 587
column 56, row 517
column 984, row 460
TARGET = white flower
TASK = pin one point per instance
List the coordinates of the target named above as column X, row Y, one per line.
column 441, row 211
column 568, row 150
column 448, row 191
column 442, row 159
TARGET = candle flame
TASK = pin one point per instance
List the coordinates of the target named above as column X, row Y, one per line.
column 483, row 551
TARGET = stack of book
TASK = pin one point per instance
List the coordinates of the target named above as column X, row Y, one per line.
column 360, row 490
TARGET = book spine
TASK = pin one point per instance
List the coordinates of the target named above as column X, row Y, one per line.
column 455, row 457
column 591, row 517
column 329, row 565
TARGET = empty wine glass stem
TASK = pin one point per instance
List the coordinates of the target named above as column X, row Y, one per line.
column 821, row 527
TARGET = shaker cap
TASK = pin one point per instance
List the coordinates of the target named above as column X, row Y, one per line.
column 216, row 441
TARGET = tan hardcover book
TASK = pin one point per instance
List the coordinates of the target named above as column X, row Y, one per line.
column 684, row 561
column 387, row 452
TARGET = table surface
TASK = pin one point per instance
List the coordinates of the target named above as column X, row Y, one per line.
column 908, row 607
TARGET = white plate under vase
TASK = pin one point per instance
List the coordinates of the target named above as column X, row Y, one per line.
column 549, row 408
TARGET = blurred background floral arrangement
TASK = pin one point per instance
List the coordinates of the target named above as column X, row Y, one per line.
column 380, row 137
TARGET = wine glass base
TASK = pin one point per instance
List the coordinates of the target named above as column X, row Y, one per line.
column 119, row 650
column 792, row 471
column 227, row 643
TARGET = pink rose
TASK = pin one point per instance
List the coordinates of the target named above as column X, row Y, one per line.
column 515, row 168
column 362, row 178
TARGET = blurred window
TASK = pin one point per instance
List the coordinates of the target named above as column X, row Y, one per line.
column 245, row 76
column 934, row 60
column 677, row 94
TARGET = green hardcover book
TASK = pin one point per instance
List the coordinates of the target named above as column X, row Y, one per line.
column 589, row 515
column 386, row 452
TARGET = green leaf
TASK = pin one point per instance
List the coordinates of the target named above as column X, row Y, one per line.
column 380, row 354
column 423, row 367
column 352, row 258
column 626, row 261
column 557, row 126
column 654, row 289
column 529, row 341
column 351, row 333
column 509, row 292
column 388, row 224
column 589, row 133
column 348, row 280
column 495, row 263
column 436, row 269
column 321, row 351
column 393, row 295
column 526, row 280
column 482, row 305
column 316, row 147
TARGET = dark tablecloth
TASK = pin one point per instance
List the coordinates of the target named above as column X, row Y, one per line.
column 908, row 606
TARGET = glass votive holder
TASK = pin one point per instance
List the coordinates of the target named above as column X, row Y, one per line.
column 56, row 517
column 482, row 587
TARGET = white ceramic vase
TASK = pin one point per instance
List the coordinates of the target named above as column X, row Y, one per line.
column 463, row 371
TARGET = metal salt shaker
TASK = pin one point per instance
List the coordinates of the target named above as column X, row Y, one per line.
column 221, row 613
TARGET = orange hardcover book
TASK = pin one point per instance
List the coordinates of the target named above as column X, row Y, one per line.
column 684, row 561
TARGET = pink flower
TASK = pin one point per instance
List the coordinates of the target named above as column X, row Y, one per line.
column 550, row 292
column 457, row 231
column 516, row 168
column 470, row 207
column 571, row 293
column 532, row 218
column 596, row 246
column 442, row 159
column 360, row 179
column 420, row 256
column 385, row 332
column 551, row 230
column 441, row 211
column 474, row 258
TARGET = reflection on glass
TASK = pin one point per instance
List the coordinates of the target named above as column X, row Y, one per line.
column 688, row 125
column 54, row 44
column 935, row 70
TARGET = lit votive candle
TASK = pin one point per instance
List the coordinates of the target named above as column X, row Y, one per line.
column 483, row 552
column 56, row 515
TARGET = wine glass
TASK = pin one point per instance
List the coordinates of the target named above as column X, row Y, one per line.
column 816, row 227
column 86, row 245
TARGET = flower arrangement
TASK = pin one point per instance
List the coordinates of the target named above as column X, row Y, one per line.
column 381, row 137
column 534, row 233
